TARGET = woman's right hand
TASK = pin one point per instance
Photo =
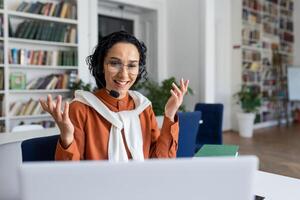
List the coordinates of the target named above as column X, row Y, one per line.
column 61, row 118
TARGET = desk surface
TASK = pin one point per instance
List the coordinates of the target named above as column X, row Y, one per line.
column 24, row 135
column 276, row 187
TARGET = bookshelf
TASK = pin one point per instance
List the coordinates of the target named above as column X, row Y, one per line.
column 38, row 56
column 266, row 33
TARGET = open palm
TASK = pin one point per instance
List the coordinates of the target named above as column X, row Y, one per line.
column 61, row 118
column 176, row 98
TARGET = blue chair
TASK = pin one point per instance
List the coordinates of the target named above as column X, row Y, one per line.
column 39, row 149
column 188, row 129
column 210, row 130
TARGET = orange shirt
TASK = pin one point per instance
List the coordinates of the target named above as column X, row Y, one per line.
column 91, row 133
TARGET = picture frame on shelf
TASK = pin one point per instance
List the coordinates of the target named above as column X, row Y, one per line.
column 17, row 80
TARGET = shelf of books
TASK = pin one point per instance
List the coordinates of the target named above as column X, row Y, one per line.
column 2, row 69
column 38, row 56
column 267, row 30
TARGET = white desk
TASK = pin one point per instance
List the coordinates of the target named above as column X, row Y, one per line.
column 24, row 135
column 276, row 187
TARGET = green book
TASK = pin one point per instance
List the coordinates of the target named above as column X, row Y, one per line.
column 28, row 29
column 217, row 150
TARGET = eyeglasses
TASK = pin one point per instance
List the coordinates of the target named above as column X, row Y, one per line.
column 115, row 67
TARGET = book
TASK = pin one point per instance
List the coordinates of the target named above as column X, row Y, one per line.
column 14, row 53
column 39, row 32
column 58, row 10
column 64, row 9
column 15, row 108
column 52, row 8
column 72, row 35
column 22, row 6
column 27, row 30
column 52, row 83
column 22, row 109
column 31, row 84
column 22, row 58
column 17, row 80
column 34, row 29
column 2, row 108
column 1, row 79
column 28, row 107
column 208, row 150
column 43, row 82
column 10, row 30
column 37, row 110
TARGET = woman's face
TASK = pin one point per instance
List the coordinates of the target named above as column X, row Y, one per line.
column 121, row 67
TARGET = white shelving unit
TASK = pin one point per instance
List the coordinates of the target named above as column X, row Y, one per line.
column 10, row 96
column 260, row 20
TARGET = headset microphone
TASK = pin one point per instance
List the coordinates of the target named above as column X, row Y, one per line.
column 112, row 93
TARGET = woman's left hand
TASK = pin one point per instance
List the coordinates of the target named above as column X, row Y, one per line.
column 176, row 99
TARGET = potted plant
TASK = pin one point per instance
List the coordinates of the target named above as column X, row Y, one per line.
column 159, row 94
column 80, row 85
column 249, row 98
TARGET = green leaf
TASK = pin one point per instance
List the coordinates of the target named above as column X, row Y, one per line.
column 249, row 97
column 159, row 94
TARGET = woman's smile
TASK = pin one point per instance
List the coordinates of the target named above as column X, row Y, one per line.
column 121, row 83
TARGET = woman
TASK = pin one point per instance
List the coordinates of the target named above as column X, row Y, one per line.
column 115, row 123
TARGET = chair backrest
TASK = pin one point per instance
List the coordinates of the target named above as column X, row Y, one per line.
column 188, row 129
column 210, row 130
column 39, row 149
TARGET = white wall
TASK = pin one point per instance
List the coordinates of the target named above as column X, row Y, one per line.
column 297, row 32
column 199, row 48
column 236, row 56
column 185, row 45
column 84, row 24
column 223, row 73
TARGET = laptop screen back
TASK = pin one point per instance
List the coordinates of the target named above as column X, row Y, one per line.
column 196, row 178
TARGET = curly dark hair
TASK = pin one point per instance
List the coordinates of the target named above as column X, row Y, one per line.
column 96, row 60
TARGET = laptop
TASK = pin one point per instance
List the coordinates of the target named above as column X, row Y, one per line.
column 161, row 179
